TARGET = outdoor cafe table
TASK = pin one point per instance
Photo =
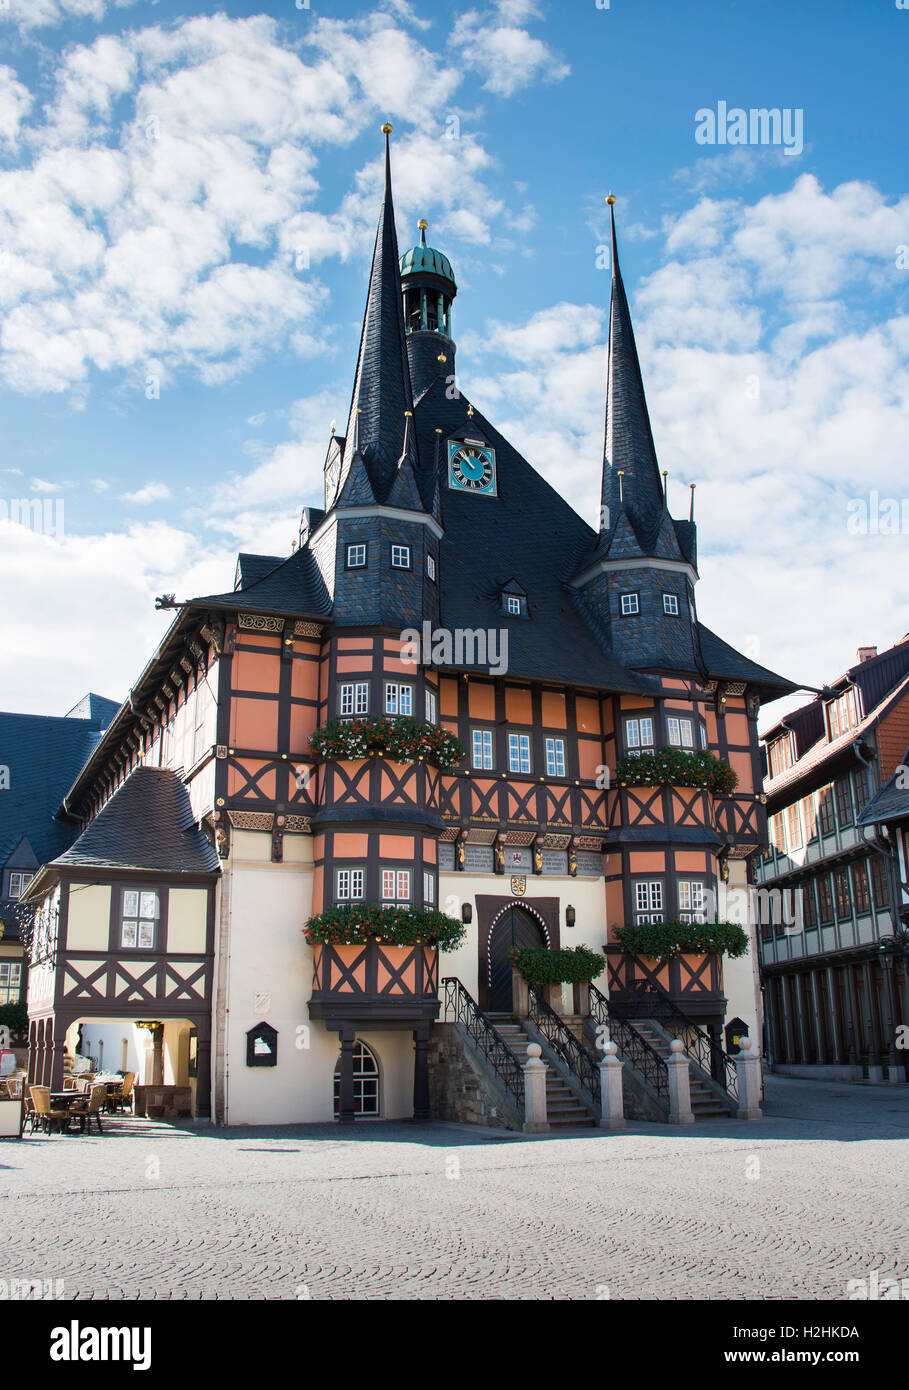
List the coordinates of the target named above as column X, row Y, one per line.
column 65, row 1100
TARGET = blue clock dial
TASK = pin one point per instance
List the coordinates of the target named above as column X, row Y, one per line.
column 471, row 468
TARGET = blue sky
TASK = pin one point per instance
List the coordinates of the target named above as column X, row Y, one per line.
column 188, row 196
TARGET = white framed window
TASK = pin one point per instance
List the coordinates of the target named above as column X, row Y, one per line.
column 630, row 604
column 396, row 887
column 482, row 748
column 18, row 882
column 512, row 604
column 430, row 707
column 680, row 731
column 670, row 604
column 429, row 887
column 349, row 884
column 638, row 735
column 400, row 557
column 138, row 920
column 431, row 567
column 398, row 698
column 365, row 1081
column 648, row 901
column 555, row 757
column 519, row 752
column 353, row 698
column 356, row 557
column 703, row 729
column 10, row 981
column 691, row 901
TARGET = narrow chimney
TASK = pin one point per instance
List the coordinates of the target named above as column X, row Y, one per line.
column 866, row 653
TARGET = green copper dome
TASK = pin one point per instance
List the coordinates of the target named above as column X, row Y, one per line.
column 426, row 259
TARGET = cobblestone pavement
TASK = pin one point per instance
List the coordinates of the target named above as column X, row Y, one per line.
column 792, row 1207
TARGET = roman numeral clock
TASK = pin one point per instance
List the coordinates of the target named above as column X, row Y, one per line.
column 471, row 467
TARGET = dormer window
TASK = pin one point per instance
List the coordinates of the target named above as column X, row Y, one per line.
column 356, row 557
column 400, row 557
column 779, row 754
column 430, row 567
column 513, row 600
column 18, row 882
column 671, row 605
column 842, row 713
column 630, row 605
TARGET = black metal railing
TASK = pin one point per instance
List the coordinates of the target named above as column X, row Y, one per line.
column 461, row 1007
column 707, row 1051
column 645, row 1059
column 582, row 1064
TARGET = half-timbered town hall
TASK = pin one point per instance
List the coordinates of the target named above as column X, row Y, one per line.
column 443, row 581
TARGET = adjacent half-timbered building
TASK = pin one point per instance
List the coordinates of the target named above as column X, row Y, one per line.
column 833, row 882
column 445, row 580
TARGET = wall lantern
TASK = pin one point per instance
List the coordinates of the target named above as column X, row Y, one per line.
column 466, row 913
column 570, row 916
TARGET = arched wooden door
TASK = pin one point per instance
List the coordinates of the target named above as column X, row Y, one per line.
column 515, row 927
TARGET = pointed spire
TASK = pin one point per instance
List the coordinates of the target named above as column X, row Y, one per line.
column 382, row 391
column 629, row 447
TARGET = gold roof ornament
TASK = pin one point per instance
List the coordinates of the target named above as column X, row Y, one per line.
column 387, row 128
column 610, row 198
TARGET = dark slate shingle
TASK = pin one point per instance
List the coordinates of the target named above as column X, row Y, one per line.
column 147, row 824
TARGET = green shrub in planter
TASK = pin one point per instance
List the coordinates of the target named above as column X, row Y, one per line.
column 15, row 1016
column 396, row 926
column 676, row 768
column 662, row 940
column 402, row 739
column 574, row 965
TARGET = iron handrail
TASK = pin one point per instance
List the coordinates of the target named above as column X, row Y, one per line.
column 633, row 1046
column 461, row 1007
column 706, row 1051
column 582, row 1064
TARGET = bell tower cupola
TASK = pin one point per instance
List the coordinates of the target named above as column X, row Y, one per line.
column 428, row 286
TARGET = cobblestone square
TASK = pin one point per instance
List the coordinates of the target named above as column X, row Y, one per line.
column 792, row 1207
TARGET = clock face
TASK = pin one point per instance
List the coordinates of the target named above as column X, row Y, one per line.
column 471, row 468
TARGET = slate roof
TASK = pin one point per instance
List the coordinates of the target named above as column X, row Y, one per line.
column 44, row 754
column 891, row 802
column 527, row 533
column 629, row 438
column 382, row 389
column 147, row 825
column 723, row 661
column 293, row 586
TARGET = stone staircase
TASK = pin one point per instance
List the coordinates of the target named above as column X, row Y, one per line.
column 705, row 1103
column 564, row 1110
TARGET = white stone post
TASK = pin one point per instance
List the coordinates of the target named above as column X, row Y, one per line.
column 680, row 1112
column 748, row 1071
column 612, row 1110
column 535, row 1121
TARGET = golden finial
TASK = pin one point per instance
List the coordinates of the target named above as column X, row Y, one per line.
column 441, row 357
column 422, row 225
column 470, row 412
column 386, row 129
column 610, row 198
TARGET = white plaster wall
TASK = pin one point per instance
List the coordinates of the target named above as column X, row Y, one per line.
column 741, row 983
column 269, row 904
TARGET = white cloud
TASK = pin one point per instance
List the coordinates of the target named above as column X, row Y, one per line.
column 507, row 57
column 151, row 492
column 42, row 485
column 166, row 205
column 15, row 102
